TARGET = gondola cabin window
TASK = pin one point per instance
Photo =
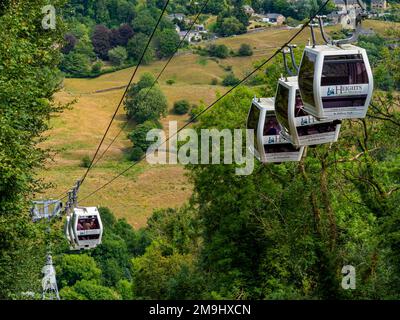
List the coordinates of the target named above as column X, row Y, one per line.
column 306, row 77
column 271, row 126
column 88, row 223
column 345, row 76
column 344, row 70
column 253, row 120
column 281, row 106
column 298, row 107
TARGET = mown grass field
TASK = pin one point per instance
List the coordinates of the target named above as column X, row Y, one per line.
column 77, row 132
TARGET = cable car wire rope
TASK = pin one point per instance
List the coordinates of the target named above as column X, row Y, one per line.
column 156, row 80
column 127, row 89
column 124, row 94
column 193, row 119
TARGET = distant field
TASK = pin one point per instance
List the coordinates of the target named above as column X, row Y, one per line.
column 77, row 132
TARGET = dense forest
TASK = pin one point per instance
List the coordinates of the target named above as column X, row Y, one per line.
column 284, row 232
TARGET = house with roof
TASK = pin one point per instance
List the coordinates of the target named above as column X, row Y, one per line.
column 377, row 5
column 192, row 36
column 273, row 18
column 176, row 16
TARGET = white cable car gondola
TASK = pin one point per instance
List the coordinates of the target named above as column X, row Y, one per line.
column 335, row 79
column 269, row 146
column 84, row 228
column 298, row 127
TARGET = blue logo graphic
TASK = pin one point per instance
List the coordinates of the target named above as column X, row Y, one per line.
column 271, row 140
column 331, row 92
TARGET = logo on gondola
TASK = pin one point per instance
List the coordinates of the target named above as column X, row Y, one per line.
column 331, row 92
column 340, row 90
column 304, row 121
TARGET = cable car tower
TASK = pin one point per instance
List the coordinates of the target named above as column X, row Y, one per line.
column 49, row 281
column 48, row 209
column 83, row 229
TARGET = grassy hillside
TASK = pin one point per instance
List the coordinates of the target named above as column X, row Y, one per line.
column 77, row 131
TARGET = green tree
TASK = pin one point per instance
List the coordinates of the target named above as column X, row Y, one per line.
column 230, row 26
column 219, row 51
column 144, row 23
column 146, row 105
column 29, row 78
column 125, row 289
column 215, row 7
column 136, row 46
column 136, row 154
column 117, row 56
column 138, row 135
column 96, row 67
column 87, row 290
column 85, row 48
column 146, row 81
column 72, row 268
column 76, row 64
column 158, row 274
column 167, row 42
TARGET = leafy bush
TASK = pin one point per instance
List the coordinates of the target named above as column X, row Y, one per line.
column 170, row 82
column 76, row 64
column 220, row 51
column 194, row 111
column 139, row 134
column 181, row 107
column 136, row 154
column 96, row 67
column 147, row 105
column 85, row 162
column 245, row 50
column 117, row 56
column 230, row 80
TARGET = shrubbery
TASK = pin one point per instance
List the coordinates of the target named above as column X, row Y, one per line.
column 245, row 50
column 181, row 107
column 220, row 51
column 118, row 55
column 230, row 80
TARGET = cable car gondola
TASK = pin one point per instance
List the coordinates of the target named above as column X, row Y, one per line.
column 84, row 228
column 335, row 79
column 269, row 146
column 336, row 82
column 298, row 127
